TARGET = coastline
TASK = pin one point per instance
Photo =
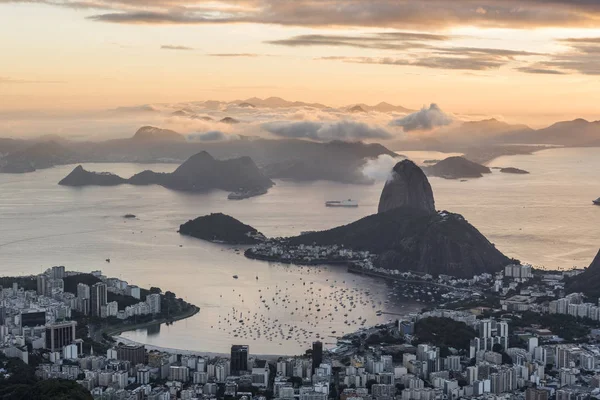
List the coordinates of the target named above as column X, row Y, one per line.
column 375, row 274
column 115, row 330
column 253, row 256
column 151, row 347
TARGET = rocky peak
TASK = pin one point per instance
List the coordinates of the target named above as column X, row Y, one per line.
column 407, row 187
column 595, row 265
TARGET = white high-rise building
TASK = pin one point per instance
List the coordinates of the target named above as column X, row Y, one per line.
column 502, row 329
column 485, row 328
column 70, row 352
column 143, row 376
column 532, row 344
column 153, row 301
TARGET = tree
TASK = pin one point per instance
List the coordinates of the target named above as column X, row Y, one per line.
column 296, row 381
column 497, row 348
column 444, row 332
column 370, row 383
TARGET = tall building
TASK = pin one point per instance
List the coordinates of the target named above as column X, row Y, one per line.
column 135, row 354
column 485, row 328
column 502, row 329
column 83, row 298
column 536, row 394
column 41, row 285
column 239, row 358
column 83, row 291
column 179, row 373
column 98, row 298
column 33, row 318
column 143, row 376
column 60, row 335
column 153, row 301
column 317, row 355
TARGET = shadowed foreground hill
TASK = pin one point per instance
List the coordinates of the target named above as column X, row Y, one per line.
column 410, row 239
column 587, row 282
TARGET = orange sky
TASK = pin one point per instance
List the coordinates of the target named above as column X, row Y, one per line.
column 58, row 58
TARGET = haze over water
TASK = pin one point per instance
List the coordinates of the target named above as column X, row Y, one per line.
column 545, row 218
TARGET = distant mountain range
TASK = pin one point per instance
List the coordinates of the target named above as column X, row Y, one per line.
column 278, row 102
column 293, row 159
column 381, row 107
column 578, row 132
column 482, row 141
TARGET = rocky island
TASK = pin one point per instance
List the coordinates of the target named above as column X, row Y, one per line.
column 221, row 228
column 200, row 173
column 457, row 168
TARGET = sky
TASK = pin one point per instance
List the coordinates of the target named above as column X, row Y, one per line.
column 532, row 61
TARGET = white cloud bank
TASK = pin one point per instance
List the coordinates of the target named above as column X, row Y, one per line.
column 425, row 119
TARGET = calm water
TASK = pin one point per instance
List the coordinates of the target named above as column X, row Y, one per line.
column 545, row 218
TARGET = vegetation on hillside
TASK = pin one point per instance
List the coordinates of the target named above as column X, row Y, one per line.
column 444, row 332
column 18, row 381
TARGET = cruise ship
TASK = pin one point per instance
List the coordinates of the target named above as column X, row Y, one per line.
column 342, row 203
column 597, row 201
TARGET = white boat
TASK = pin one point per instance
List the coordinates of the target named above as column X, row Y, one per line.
column 341, row 203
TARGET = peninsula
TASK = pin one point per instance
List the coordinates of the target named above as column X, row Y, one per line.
column 406, row 235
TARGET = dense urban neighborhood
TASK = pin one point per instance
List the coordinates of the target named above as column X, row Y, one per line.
column 515, row 335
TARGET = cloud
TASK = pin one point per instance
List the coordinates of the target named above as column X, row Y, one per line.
column 379, row 169
column 408, row 14
column 210, row 136
column 458, row 58
column 581, row 57
column 326, row 131
column 541, row 70
column 173, row 47
column 380, row 41
column 426, row 119
column 404, row 14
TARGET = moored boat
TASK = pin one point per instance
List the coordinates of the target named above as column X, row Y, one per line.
column 341, row 203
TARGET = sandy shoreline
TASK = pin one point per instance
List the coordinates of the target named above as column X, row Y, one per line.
column 193, row 352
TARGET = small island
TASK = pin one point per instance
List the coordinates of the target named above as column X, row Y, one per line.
column 511, row 170
column 456, row 168
column 221, row 228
